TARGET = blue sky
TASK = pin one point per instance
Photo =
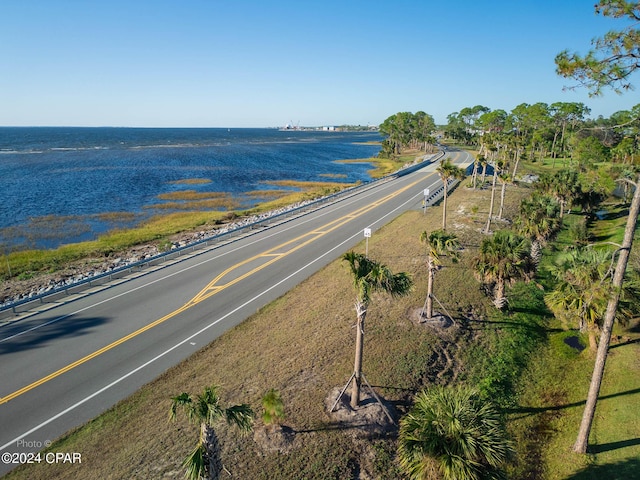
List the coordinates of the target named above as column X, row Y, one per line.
column 258, row 63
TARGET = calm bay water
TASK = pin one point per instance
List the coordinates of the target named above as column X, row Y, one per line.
column 75, row 174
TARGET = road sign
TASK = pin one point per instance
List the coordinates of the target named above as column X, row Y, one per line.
column 426, row 192
column 367, row 233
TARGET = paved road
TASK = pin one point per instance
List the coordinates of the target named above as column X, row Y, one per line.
column 65, row 365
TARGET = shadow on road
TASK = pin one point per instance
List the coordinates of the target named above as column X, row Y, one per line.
column 23, row 337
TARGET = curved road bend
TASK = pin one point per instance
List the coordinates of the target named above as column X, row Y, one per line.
column 64, row 366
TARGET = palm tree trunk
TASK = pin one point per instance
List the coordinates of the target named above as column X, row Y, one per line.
column 502, row 193
column 445, row 182
column 536, row 252
column 427, row 311
column 553, row 148
column 493, row 194
column 475, row 173
column 515, row 167
column 213, row 463
column 499, row 299
column 361, row 310
column 605, row 336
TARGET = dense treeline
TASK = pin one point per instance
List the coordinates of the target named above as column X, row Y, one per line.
column 592, row 153
column 560, row 130
column 407, row 130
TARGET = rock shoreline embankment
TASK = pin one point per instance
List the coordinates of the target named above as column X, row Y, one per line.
column 15, row 290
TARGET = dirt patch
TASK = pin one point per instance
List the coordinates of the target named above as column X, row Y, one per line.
column 369, row 419
column 275, row 438
column 438, row 321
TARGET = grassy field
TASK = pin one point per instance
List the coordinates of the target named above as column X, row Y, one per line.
column 302, row 345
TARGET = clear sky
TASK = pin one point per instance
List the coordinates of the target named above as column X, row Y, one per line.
column 259, row 63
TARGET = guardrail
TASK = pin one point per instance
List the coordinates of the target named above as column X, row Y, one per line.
column 27, row 303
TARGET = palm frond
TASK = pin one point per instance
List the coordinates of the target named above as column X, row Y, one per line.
column 241, row 416
column 183, row 401
column 195, row 464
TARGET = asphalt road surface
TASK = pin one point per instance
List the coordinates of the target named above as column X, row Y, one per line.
column 65, row 365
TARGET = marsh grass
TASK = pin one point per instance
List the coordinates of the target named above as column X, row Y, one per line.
column 226, row 203
column 333, row 175
column 186, row 216
column 192, row 195
column 192, row 181
column 267, row 194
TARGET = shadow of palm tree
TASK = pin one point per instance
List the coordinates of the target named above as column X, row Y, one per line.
column 624, row 469
column 552, row 408
column 607, row 447
column 502, row 324
column 637, row 340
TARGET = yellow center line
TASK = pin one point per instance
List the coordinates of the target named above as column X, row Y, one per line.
column 212, row 288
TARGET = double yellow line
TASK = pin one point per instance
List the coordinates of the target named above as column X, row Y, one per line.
column 272, row 255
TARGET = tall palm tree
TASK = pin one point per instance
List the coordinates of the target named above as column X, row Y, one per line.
column 504, row 178
column 370, row 276
column 439, row 244
column 487, row 226
column 448, row 171
column 503, row 258
column 204, row 461
column 452, row 433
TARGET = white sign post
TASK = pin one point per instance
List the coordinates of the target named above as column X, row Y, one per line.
column 367, row 235
column 424, row 202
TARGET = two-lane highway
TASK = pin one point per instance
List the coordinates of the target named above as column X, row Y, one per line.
column 64, row 366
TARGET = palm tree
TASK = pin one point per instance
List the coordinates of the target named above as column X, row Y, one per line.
column 503, row 258
column 538, row 220
column 581, row 292
column 487, row 227
column 504, row 178
column 439, row 243
column 204, row 461
column 452, row 433
column 448, row 171
column 474, row 175
column 273, row 407
column 370, row 276
column 563, row 185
